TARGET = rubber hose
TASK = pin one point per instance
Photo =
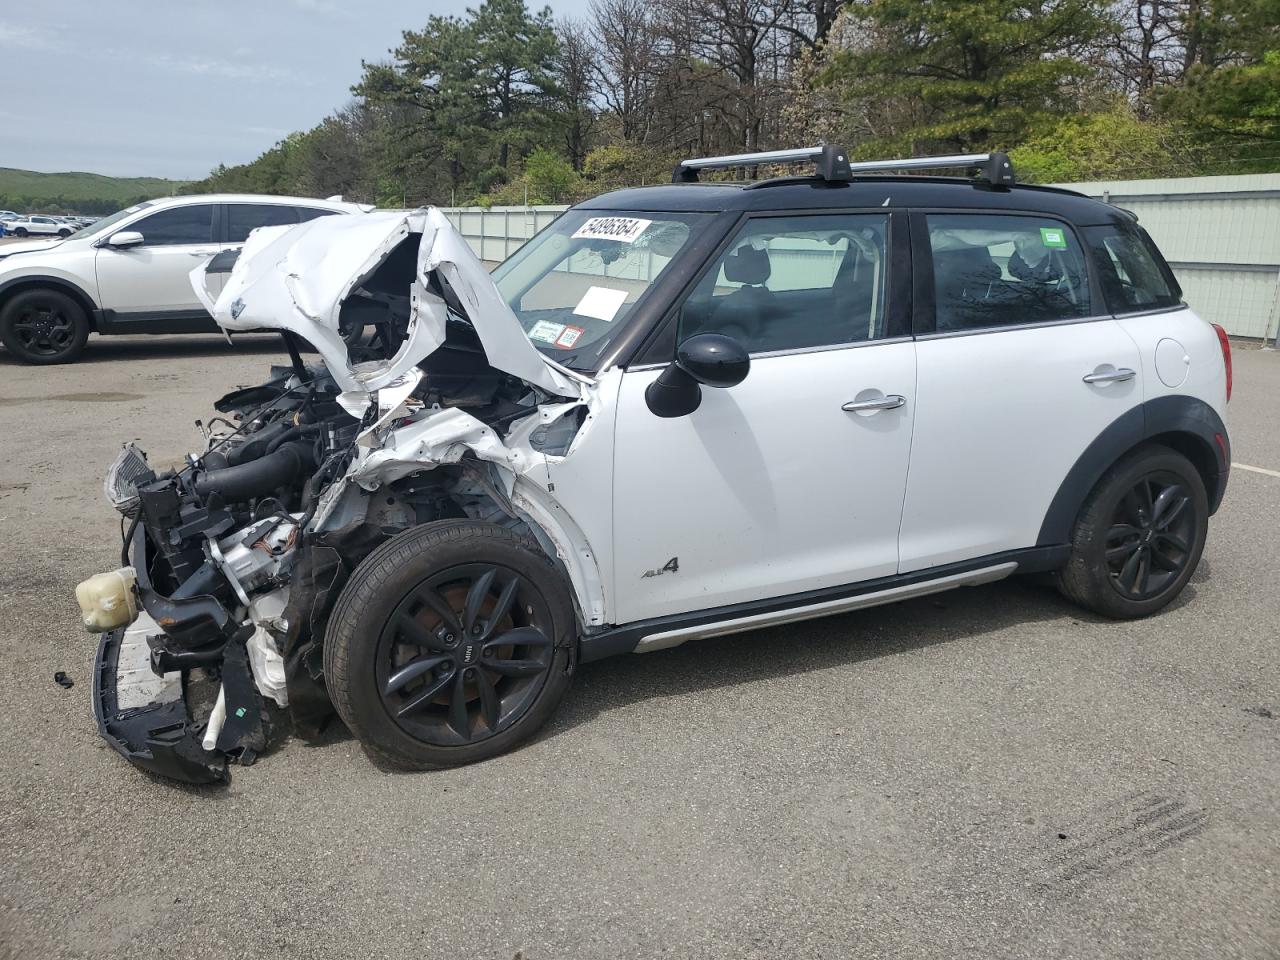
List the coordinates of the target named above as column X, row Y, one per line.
column 293, row 433
column 257, row 477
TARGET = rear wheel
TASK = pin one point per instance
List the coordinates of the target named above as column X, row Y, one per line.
column 1139, row 536
column 450, row 644
column 20, row 231
column 44, row 326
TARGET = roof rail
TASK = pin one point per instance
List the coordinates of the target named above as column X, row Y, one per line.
column 832, row 163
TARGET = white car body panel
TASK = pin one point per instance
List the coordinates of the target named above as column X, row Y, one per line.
column 769, row 488
column 149, row 278
column 1181, row 356
column 1001, row 417
column 28, row 246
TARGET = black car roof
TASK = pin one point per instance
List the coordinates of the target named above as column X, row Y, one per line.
column 812, row 193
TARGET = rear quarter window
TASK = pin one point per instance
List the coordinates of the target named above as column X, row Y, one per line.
column 1133, row 274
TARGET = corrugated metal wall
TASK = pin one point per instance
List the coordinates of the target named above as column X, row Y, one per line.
column 1220, row 234
column 498, row 232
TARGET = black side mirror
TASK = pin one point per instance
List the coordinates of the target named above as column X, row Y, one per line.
column 710, row 359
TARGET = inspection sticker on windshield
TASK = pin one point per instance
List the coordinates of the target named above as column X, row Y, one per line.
column 569, row 337
column 603, row 303
column 622, row 229
column 546, row 331
column 1053, row 237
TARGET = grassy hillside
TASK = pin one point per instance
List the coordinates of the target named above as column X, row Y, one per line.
column 85, row 192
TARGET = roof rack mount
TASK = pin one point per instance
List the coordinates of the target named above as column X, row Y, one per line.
column 832, row 163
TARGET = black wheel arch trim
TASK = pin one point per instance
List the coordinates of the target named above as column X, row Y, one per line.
column 1188, row 424
column 58, row 283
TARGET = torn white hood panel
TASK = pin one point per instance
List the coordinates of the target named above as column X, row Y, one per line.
column 296, row 279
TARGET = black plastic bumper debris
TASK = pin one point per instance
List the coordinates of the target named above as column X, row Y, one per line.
column 158, row 737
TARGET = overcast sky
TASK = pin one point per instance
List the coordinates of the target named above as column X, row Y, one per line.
column 171, row 88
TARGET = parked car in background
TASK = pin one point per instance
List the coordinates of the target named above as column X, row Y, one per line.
column 39, row 225
column 128, row 273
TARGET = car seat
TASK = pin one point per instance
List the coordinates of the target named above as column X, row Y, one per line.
column 744, row 313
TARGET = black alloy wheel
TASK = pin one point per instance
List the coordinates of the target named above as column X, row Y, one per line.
column 1139, row 535
column 452, row 642
column 1149, row 542
column 43, row 326
column 465, row 654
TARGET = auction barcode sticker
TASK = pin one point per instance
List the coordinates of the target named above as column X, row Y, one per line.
column 622, row 229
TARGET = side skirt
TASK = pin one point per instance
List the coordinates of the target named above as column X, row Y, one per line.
column 156, row 322
column 661, row 633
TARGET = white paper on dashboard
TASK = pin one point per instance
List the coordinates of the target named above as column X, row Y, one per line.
column 622, row 229
column 603, row 303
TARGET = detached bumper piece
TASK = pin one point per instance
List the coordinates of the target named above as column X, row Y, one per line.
column 146, row 717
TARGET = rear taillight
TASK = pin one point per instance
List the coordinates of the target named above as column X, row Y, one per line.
column 1226, row 355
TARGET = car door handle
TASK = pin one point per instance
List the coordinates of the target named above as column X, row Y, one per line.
column 201, row 253
column 891, row 402
column 1113, row 376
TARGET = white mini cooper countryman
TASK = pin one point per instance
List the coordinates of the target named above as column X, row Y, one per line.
column 680, row 411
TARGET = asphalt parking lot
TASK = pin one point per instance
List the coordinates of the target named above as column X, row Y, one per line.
column 989, row 773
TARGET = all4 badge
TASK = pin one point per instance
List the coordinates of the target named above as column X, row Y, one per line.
column 671, row 566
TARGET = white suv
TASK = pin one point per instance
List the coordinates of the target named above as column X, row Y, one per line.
column 127, row 273
column 678, row 412
column 40, row 225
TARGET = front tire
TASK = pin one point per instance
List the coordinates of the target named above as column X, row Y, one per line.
column 1139, row 536
column 44, row 327
column 451, row 643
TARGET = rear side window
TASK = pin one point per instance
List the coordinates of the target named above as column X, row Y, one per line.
column 244, row 217
column 993, row 270
column 311, row 213
column 1133, row 274
column 177, row 225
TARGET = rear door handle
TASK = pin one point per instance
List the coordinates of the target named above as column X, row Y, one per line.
column 891, row 402
column 1110, row 376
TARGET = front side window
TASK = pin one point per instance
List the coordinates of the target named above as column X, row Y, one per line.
column 573, row 285
column 177, row 225
column 243, row 217
column 789, row 283
column 992, row 271
column 1133, row 275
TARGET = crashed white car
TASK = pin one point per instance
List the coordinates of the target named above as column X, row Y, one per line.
column 678, row 412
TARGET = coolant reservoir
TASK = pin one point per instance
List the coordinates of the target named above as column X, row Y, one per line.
column 107, row 600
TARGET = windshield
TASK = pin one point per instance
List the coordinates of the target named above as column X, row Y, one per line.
column 574, row 284
column 108, row 222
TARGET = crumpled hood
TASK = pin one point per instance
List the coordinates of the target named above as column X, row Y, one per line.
column 296, row 278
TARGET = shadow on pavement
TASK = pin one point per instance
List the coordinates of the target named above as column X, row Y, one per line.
column 809, row 646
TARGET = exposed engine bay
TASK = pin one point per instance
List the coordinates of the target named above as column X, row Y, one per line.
column 425, row 407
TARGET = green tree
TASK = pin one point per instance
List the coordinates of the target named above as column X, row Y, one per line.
column 1109, row 145
column 965, row 74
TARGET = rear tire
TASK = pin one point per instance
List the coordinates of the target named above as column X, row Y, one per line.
column 451, row 643
column 1139, row 536
column 43, row 326
column 20, row 232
